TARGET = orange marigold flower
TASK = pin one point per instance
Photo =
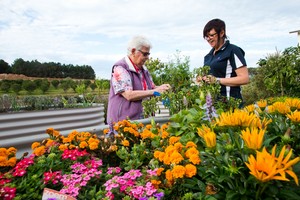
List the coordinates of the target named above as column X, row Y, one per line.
column 159, row 171
column 191, row 170
column 178, row 171
column 195, row 159
column 105, row 131
column 35, row 145
column 162, row 157
column 190, row 144
column 191, row 151
column 169, row 175
column 62, row 147
column 164, row 134
column 113, row 147
column 173, row 140
column 72, row 146
column 3, row 152
column 178, row 146
column 125, row 143
column 11, row 162
column 49, row 143
column 176, row 157
column 38, row 151
column 66, row 140
column 155, row 183
column 83, row 144
column 156, row 154
column 12, row 150
column 93, row 145
column 210, row 189
column 148, row 126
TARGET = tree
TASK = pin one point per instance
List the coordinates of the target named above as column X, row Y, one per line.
column 29, row 86
column 4, row 67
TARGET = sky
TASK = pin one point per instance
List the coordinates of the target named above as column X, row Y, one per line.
column 96, row 32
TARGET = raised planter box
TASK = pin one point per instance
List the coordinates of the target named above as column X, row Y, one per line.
column 20, row 130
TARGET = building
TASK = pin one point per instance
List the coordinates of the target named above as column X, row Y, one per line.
column 298, row 32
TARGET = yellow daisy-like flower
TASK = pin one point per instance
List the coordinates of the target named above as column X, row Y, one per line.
column 262, row 103
column 294, row 116
column 203, row 129
column 125, row 143
column 264, row 167
column 281, row 107
column 293, row 103
column 178, row 171
column 210, row 139
column 190, row 170
column 237, row 118
column 253, row 137
column 285, row 162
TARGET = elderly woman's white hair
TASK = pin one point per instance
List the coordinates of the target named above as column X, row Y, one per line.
column 137, row 42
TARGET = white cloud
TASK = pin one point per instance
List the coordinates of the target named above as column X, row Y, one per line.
column 95, row 32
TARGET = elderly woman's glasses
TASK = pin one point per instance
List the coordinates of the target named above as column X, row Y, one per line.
column 144, row 53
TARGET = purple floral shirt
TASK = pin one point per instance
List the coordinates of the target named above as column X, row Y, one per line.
column 121, row 80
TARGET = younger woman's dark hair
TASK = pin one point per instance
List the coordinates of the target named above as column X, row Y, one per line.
column 216, row 24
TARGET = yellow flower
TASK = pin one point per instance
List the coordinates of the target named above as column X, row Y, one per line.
column 285, row 163
column 191, row 170
column 125, row 143
column 253, row 137
column 264, row 167
column 293, row 103
column 105, row 131
column 281, row 107
column 294, row 116
column 204, row 129
column 164, row 134
column 237, row 118
column 93, row 145
column 178, row 171
column 210, row 139
column 262, row 103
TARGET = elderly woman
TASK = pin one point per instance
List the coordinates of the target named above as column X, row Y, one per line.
column 131, row 82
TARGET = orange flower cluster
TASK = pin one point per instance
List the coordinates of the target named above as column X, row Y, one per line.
column 179, row 160
column 8, row 157
column 268, row 167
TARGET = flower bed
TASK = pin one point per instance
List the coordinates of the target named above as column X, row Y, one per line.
column 250, row 153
